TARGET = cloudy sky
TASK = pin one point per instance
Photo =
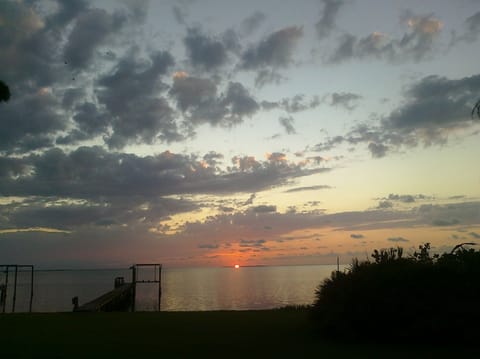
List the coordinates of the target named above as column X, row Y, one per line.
column 216, row 132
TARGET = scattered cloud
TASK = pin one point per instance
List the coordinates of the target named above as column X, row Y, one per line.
column 397, row 239
column 434, row 107
column 130, row 94
column 384, row 205
column 92, row 28
column 328, row 16
column 287, row 124
column 276, row 50
column 208, row 246
column 445, row 223
column 406, row 198
column 297, row 103
column 308, row 188
column 416, row 44
column 264, row 209
column 253, row 22
column 272, row 53
column 198, row 100
column 347, row 100
column 357, row 236
column 252, row 243
column 207, row 52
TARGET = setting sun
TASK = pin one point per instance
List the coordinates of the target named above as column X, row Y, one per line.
column 237, row 266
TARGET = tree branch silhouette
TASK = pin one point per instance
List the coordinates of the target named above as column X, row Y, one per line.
column 4, row 92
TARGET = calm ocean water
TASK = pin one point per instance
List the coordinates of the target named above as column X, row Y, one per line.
column 183, row 289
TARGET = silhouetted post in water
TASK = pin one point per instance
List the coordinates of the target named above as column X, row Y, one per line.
column 134, row 281
column 338, row 264
column 5, row 291
column 15, row 289
column 3, row 294
column 31, row 291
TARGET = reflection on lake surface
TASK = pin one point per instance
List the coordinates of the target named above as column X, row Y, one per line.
column 183, row 289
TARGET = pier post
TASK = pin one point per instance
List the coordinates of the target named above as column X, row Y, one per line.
column 15, row 289
column 134, row 284
column 31, row 291
column 159, row 286
column 6, row 289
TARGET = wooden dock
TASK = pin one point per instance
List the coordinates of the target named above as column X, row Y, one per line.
column 122, row 298
column 119, row 299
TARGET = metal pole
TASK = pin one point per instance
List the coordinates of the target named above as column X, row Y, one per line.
column 159, row 285
column 6, row 287
column 134, row 283
column 15, row 289
column 31, row 290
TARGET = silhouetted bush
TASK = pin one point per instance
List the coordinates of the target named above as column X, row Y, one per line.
column 419, row 297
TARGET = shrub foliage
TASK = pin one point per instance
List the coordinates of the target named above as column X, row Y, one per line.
column 420, row 296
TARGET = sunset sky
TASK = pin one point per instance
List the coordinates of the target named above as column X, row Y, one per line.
column 217, row 132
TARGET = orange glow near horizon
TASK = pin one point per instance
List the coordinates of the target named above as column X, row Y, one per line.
column 237, row 266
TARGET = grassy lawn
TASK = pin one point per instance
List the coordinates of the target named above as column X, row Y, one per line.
column 268, row 334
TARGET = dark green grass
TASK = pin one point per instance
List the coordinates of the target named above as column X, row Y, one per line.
column 253, row 334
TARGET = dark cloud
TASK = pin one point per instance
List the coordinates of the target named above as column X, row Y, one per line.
column 416, row 44
column 90, row 120
column 329, row 144
column 206, row 52
column 406, row 198
column 180, row 14
column 252, row 243
column 130, row 95
column 346, row 100
column 357, row 236
column 208, row 246
column 433, row 108
column 29, row 122
column 264, row 209
column 397, row 239
column 378, row 150
column 30, row 45
column 445, row 223
column 253, row 22
column 307, row 188
column 287, row 124
column 193, row 92
column 90, row 172
column 268, row 76
column 435, row 103
column 294, row 104
column 197, row 98
column 276, row 50
column 473, row 27
column 69, row 214
column 213, row 158
column 240, row 101
column 328, row 16
column 384, row 205
column 92, row 28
